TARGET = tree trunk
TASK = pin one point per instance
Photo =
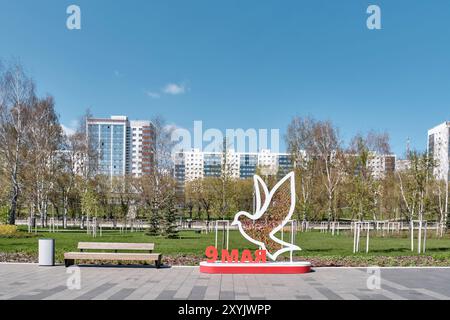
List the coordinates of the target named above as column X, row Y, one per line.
column 419, row 236
column 446, row 205
column 32, row 220
column 15, row 197
column 65, row 200
column 13, row 208
column 65, row 217
column 330, row 212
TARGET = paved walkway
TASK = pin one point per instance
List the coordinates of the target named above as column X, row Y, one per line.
column 118, row 283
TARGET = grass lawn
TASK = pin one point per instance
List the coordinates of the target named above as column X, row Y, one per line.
column 323, row 249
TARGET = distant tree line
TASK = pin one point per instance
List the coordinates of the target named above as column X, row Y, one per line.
column 334, row 181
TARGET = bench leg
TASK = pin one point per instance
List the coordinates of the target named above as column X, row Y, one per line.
column 158, row 263
column 69, row 262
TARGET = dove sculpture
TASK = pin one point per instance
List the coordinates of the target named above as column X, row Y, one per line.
column 273, row 211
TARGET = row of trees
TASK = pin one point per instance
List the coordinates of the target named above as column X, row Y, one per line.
column 204, row 198
column 343, row 182
column 334, row 181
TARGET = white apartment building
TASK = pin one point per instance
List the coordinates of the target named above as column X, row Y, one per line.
column 195, row 164
column 141, row 147
column 380, row 165
column 268, row 162
column 438, row 147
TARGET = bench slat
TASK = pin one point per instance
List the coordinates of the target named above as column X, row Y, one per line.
column 115, row 246
column 112, row 256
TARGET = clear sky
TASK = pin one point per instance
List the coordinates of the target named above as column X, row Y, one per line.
column 241, row 63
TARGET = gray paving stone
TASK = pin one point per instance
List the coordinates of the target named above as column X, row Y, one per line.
column 122, row 294
column 118, row 283
column 407, row 294
column 166, row 295
column 329, row 294
column 227, row 295
column 198, row 293
column 96, row 291
column 41, row 295
column 373, row 297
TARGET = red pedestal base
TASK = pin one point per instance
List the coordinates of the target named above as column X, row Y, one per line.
column 256, row 268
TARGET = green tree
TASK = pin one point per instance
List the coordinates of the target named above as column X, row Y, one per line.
column 154, row 219
column 89, row 203
column 170, row 220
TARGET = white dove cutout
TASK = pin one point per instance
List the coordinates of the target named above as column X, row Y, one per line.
column 261, row 210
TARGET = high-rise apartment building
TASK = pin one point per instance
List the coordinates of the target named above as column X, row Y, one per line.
column 108, row 138
column 380, row 165
column 438, row 148
column 122, row 147
column 141, row 147
column 195, row 164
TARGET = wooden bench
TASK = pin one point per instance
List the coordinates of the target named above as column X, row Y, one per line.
column 70, row 257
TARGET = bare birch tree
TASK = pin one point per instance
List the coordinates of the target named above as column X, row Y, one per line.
column 365, row 188
column 414, row 187
column 44, row 141
column 17, row 96
column 320, row 140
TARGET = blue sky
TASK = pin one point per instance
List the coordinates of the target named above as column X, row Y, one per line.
column 241, row 64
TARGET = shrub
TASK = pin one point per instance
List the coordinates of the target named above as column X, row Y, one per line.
column 12, row 232
column 8, row 231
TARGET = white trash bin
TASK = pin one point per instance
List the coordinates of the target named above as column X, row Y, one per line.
column 46, row 252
